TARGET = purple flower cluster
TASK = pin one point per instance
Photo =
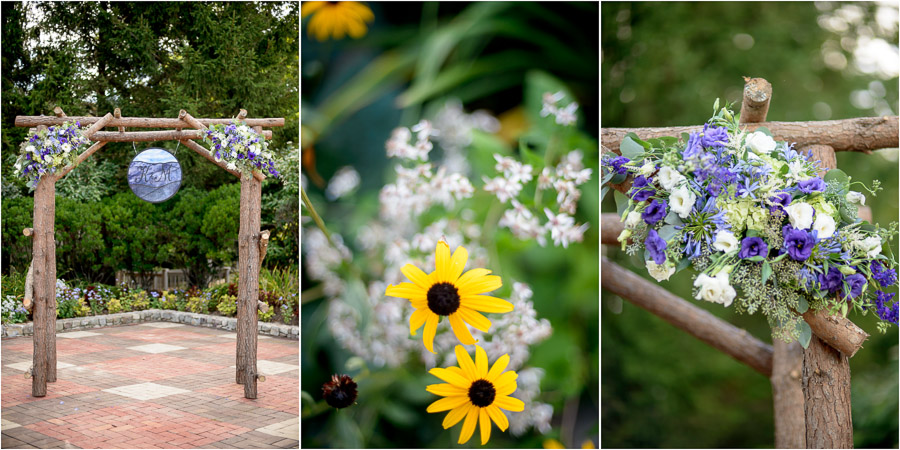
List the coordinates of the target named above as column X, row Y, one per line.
column 883, row 275
column 618, row 165
column 240, row 145
column 654, row 212
column 656, row 246
column 42, row 151
column 753, row 246
column 714, row 136
column 798, row 243
column 641, row 189
column 811, row 185
column 885, row 312
column 832, row 280
column 781, row 200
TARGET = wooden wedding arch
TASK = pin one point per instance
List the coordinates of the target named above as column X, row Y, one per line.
column 810, row 387
column 251, row 242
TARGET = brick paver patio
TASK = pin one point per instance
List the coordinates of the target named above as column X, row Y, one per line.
column 152, row 385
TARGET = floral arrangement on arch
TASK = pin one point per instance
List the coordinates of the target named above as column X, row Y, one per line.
column 753, row 217
column 50, row 149
column 240, row 147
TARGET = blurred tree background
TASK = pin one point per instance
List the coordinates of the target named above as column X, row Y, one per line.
column 414, row 58
column 664, row 64
column 150, row 59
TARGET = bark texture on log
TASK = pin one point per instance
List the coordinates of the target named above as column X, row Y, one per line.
column 248, row 285
column 837, row 331
column 826, row 391
column 610, row 228
column 202, row 151
column 139, row 122
column 826, row 371
column 787, row 394
column 697, row 322
column 44, row 265
column 847, row 135
column 148, row 136
column 757, row 95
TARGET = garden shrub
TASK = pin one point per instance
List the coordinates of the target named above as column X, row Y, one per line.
column 198, row 305
column 266, row 316
column 114, row 306
column 227, row 305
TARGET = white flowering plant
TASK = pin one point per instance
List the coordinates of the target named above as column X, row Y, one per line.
column 50, row 149
column 754, row 218
column 240, row 147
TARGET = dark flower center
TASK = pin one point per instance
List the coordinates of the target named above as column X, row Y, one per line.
column 443, row 299
column 482, row 393
column 340, row 392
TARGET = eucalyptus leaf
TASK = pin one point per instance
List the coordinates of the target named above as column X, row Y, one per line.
column 673, row 219
column 618, row 178
column 757, row 258
column 805, row 334
column 603, row 191
column 667, row 232
column 683, row 264
column 621, row 202
column 766, row 272
column 638, row 140
column 803, row 305
column 765, row 131
column 631, row 149
column 837, row 176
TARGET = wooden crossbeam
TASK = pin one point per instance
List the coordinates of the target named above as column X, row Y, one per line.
column 149, row 136
column 140, row 122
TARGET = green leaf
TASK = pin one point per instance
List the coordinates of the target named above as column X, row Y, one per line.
column 846, row 215
column 603, row 191
column 765, row 131
column 837, row 176
column 683, row 264
column 618, row 178
column 673, row 219
column 844, row 310
column 803, row 305
column 631, row 149
column 757, row 258
column 530, row 156
column 669, row 140
column 685, row 137
column 784, row 170
column 805, row 334
column 667, row 232
column 638, row 140
column 766, row 272
column 621, row 202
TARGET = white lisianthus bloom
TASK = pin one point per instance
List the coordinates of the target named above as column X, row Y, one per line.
column 232, row 166
column 800, row 214
column 726, row 242
column 661, row 272
column 682, row 201
column 31, row 149
column 715, row 289
column 669, row 178
column 871, row 245
column 760, row 143
column 48, row 158
column 67, row 148
column 220, row 136
column 824, row 225
column 797, row 171
column 632, row 220
column 856, row 198
column 647, row 168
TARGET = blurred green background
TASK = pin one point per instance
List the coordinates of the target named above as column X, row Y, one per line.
column 664, row 64
column 414, row 58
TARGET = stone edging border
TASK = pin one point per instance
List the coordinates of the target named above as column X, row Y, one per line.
column 154, row 315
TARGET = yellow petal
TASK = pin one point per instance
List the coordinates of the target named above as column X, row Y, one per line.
column 417, row 319
column 441, row 261
column 430, row 330
column 485, row 422
column 457, row 263
column 362, row 11
column 356, row 29
column 498, row 416
column 323, row 25
column 480, row 285
column 498, row 368
column 419, row 303
column 471, row 275
column 446, row 390
column 469, row 425
column 481, row 362
column 486, row 304
column 415, row 274
column 455, row 415
column 406, row 290
column 447, row 403
column 474, row 318
column 465, row 362
column 504, row 379
column 308, row 8
column 460, row 330
column 509, row 403
column 507, row 389
column 451, row 377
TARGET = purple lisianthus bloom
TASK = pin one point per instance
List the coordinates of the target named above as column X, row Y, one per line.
column 693, row 146
column 656, row 246
column 714, row 136
column 883, row 275
column 654, row 212
column 753, row 246
column 855, row 282
column 640, row 189
column 781, row 200
column 618, row 164
column 799, row 244
column 831, row 281
column 811, row 185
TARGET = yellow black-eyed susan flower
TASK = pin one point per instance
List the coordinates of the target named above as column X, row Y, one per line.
column 449, row 292
column 336, row 19
column 475, row 393
column 340, row 392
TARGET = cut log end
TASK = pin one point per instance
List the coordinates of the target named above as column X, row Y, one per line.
column 262, row 306
column 28, row 231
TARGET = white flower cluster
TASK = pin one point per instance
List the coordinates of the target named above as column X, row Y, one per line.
column 536, row 414
column 523, row 223
column 456, row 132
column 515, row 174
column 715, row 289
column 565, row 115
column 570, row 173
column 398, row 145
column 344, row 181
column 321, row 259
column 417, row 189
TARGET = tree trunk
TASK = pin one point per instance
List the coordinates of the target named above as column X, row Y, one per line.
column 248, row 285
column 826, row 389
column 787, row 395
column 44, row 255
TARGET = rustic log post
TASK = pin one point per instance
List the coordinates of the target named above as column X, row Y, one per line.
column 826, row 373
column 697, row 322
column 242, row 114
column 248, row 285
column 59, row 112
column 117, row 113
column 757, row 95
column 263, row 245
column 28, row 301
column 44, row 262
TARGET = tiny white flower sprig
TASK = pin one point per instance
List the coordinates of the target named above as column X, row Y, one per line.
column 240, row 147
column 50, row 149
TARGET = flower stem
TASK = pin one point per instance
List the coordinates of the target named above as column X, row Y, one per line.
column 315, row 216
